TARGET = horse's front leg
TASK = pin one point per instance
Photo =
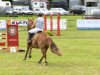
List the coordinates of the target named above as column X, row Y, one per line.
column 30, row 52
column 28, row 48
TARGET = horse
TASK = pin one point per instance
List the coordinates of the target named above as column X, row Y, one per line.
column 41, row 41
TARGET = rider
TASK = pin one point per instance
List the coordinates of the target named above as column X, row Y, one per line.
column 37, row 26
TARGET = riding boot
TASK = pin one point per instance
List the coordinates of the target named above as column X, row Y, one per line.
column 30, row 35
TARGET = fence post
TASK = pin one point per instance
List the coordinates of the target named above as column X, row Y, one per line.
column 51, row 27
column 58, row 24
column 45, row 23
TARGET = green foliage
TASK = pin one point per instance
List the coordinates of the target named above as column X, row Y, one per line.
column 49, row 32
column 50, row 1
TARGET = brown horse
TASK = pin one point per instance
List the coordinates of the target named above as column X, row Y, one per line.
column 43, row 42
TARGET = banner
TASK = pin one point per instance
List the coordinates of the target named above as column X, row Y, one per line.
column 2, row 24
column 63, row 23
column 12, row 36
column 88, row 24
column 22, row 22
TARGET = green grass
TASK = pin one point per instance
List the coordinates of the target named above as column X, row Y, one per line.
column 81, row 54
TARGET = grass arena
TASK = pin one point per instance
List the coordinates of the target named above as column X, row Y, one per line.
column 81, row 53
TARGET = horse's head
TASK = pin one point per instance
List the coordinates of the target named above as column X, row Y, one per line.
column 30, row 23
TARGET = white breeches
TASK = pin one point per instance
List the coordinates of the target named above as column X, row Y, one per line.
column 34, row 30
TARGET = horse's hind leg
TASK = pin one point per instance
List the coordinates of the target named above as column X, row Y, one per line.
column 45, row 60
column 41, row 59
column 44, row 56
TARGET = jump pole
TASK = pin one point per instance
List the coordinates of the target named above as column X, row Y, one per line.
column 51, row 27
column 58, row 24
column 51, row 24
column 45, row 22
column 2, row 36
column 3, row 43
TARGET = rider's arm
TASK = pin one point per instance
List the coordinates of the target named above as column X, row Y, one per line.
column 33, row 26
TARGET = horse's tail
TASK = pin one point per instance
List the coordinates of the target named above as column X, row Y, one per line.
column 53, row 47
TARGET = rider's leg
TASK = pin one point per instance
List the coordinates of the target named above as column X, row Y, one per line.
column 30, row 35
column 32, row 32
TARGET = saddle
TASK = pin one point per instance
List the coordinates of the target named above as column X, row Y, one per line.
column 33, row 34
column 39, row 32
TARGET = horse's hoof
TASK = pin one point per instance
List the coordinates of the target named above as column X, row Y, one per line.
column 30, row 56
column 39, row 62
column 45, row 64
column 24, row 59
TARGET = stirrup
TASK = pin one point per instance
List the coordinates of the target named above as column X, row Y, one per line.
column 29, row 42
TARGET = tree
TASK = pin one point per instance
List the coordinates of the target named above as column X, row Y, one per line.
column 50, row 2
column 7, row 0
column 82, row 2
column 67, row 3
